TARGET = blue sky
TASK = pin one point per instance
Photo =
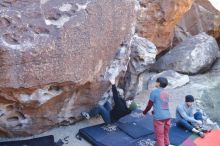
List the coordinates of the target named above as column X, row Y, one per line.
column 216, row 4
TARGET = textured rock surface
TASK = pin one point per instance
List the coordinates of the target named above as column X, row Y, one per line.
column 119, row 63
column 143, row 54
column 53, row 57
column 157, row 19
column 202, row 17
column 209, row 89
column 194, row 55
column 216, row 66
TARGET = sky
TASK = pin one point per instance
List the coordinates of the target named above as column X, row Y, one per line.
column 216, row 4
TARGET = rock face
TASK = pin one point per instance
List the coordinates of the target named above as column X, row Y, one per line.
column 53, row 56
column 202, row 17
column 209, row 91
column 216, row 66
column 119, row 63
column 157, row 19
column 143, row 54
column 192, row 56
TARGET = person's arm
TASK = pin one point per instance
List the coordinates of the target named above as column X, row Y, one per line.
column 184, row 115
column 115, row 93
column 149, row 106
column 193, row 111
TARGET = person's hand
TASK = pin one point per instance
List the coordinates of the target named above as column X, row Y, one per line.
column 141, row 115
column 199, row 122
column 152, row 112
column 112, row 80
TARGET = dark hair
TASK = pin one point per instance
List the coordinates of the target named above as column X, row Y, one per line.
column 189, row 98
column 163, row 82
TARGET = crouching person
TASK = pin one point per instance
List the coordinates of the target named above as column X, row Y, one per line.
column 188, row 118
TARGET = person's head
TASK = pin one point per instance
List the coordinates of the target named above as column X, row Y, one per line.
column 131, row 105
column 161, row 82
column 189, row 99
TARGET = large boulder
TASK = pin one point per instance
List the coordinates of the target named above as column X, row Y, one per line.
column 202, row 17
column 53, row 57
column 157, row 20
column 194, row 55
column 143, row 54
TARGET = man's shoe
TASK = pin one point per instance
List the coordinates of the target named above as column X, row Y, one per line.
column 206, row 129
column 86, row 115
column 201, row 134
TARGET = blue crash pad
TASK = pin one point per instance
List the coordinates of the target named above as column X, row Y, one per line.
column 134, row 129
column 120, row 133
column 41, row 141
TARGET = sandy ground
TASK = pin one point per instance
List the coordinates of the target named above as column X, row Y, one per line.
column 67, row 133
